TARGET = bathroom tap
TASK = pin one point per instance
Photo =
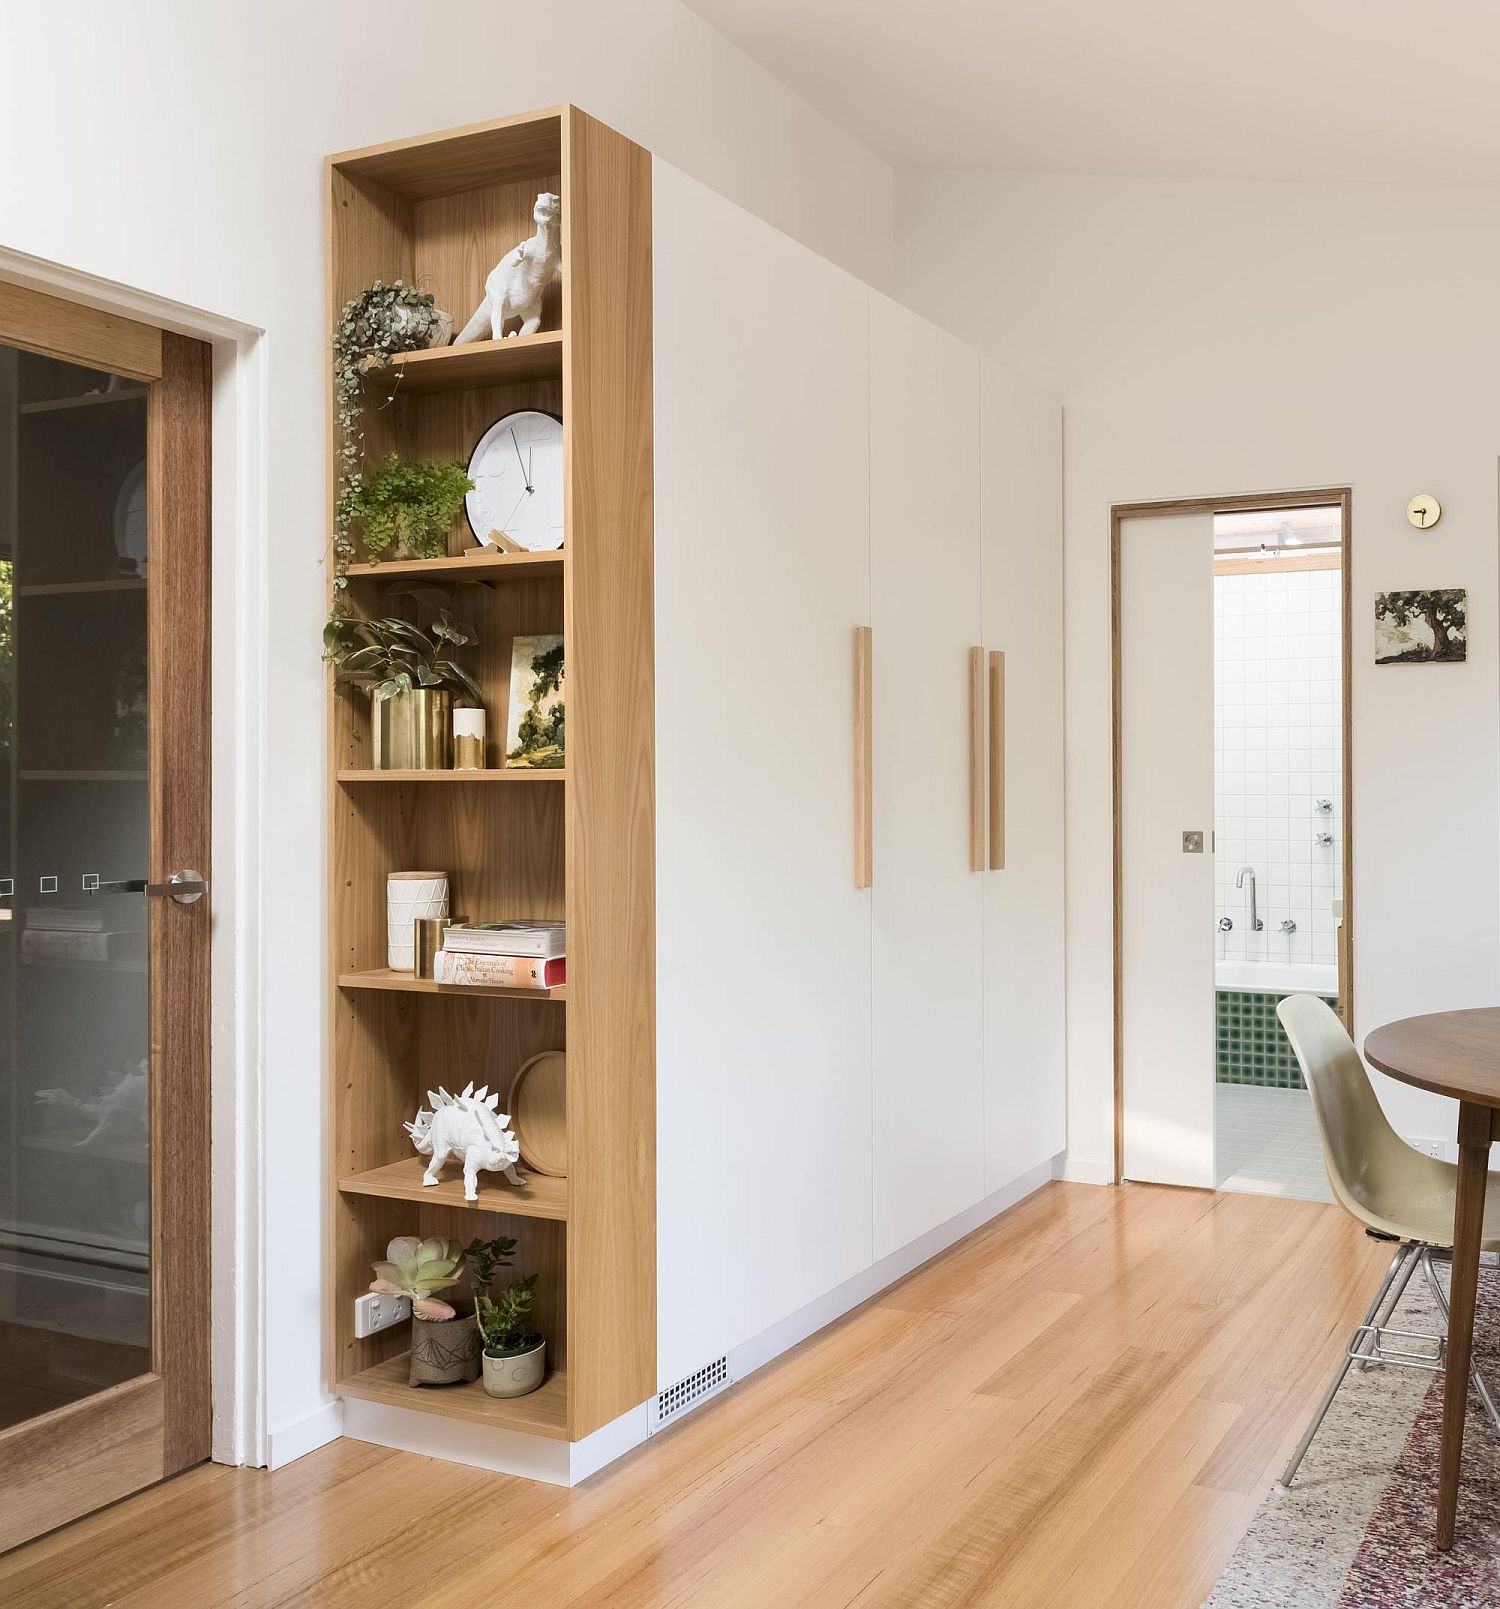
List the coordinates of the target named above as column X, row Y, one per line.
column 1324, row 807
column 1289, row 927
column 1256, row 925
column 1226, row 924
column 1323, row 839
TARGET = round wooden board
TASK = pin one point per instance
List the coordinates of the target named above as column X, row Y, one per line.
column 539, row 1114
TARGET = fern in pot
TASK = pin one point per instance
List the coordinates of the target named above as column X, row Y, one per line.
column 413, row 681
column 515, row 1355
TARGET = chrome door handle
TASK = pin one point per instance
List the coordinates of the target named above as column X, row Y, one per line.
column 186, row 887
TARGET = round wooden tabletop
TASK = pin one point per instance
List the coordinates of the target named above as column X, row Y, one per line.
column 1453, row 1053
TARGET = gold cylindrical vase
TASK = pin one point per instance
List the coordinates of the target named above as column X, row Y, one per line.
column 412, row 730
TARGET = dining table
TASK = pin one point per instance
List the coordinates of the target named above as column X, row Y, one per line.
column 1454, row 1053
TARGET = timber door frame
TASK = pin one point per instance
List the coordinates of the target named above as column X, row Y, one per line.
column 1342, row 498
column 69, row 1462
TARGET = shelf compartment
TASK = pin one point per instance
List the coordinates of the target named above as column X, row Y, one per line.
column 543, row 1413
column 409, row 983
column 354, row 774
column 539, row 1197
column 62, row 589
column 475, row 363
column 487, row 566
column 505, row 150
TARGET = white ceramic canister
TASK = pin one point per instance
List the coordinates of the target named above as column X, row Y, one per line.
column 408, row 897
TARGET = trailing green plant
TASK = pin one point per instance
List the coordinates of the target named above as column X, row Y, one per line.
column 418, row 1269
column 485, row 1256
column 373, row 326
column 410, row 504
column 505, row 1318
column 391, row 656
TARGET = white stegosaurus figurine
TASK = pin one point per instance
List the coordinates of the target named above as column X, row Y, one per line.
column 472, row 1126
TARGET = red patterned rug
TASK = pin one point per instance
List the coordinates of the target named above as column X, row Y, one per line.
column 1355, row 1532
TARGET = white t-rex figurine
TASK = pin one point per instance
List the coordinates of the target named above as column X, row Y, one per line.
column 519, row 281
column 468, row 1125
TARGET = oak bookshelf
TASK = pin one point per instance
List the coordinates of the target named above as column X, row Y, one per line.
column 439, row 211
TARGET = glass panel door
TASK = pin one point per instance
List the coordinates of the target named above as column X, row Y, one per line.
column 75, row 1181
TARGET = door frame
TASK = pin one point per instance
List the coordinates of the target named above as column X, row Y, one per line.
column 1342, row 498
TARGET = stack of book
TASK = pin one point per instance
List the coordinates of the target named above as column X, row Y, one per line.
column 504, row 955
column 79, row 933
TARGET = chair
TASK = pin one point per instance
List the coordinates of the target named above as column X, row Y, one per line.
column 1391, row 1187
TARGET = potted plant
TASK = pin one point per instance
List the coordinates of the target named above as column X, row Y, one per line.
column 515, row 1355
column 413, row 682
column 444, row 1342
column 406, row 509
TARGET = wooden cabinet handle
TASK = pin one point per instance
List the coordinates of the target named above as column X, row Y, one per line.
column 997, row 762
column 864, row 774
column 976, row 760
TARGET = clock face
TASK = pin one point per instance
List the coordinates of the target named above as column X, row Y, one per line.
column 1424, row 512
column 517, row 470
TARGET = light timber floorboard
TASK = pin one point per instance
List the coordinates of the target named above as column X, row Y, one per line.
column 1079, row 1405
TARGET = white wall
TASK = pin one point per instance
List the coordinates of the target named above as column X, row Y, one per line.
column 177, row 149
column 1226, row 337
column 1277, row 752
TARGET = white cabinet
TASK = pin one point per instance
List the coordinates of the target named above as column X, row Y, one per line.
column 763, row 944
column 927, row 1088
column 1021, row 521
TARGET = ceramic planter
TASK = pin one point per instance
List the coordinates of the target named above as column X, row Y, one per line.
column 413, row 731
column 518, row 1375
column 411, row 897
column 444, row 1352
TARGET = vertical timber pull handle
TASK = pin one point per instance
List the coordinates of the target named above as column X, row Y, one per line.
column 976, row 760
column 997, row 762
column 864, row 778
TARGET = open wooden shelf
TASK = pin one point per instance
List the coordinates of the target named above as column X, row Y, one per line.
column 487, row 566
column 61, row 589
column 543, row 1413
column 539, row 1197
column 82, row 776
column 410, row 983
column 475, row 363
column 493, row 774
column 92, row 400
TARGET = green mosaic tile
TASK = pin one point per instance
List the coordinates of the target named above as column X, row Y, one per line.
column 1250, row 1046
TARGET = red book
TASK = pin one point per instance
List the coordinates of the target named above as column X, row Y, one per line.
column 500, row 971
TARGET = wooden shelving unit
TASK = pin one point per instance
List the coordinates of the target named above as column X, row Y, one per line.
column 579, row 844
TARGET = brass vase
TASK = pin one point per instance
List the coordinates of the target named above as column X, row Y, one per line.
column 412, row 730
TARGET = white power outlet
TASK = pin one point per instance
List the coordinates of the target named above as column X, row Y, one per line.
column 374, row 1312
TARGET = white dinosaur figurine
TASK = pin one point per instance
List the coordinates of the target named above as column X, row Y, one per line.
column 518, row 282
column 472, row 1126
column 118, row 1112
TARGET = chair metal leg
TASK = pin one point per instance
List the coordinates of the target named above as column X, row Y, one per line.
column 1370, row 1344
column 1406, row 1254
column 1436, row 1287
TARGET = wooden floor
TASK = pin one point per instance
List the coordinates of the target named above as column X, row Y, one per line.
column 1080, row 1405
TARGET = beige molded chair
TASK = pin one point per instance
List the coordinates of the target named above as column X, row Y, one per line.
column 1391, row 1187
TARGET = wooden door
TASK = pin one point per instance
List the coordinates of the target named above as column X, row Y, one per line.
column 763, row 942
column 1166, row 695
column 1025, row 1075
column 926, row 618
column 104, row 983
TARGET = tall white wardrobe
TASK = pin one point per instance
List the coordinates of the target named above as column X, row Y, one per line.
column 843, row 1075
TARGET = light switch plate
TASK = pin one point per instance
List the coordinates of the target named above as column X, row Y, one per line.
column 1192, row 843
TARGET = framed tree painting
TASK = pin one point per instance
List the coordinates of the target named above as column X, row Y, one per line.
column 1421, row 628
column 534, row 726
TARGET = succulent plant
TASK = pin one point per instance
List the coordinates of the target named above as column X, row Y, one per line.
column 416, row 1269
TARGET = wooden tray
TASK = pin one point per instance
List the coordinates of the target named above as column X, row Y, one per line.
column 538, row 1113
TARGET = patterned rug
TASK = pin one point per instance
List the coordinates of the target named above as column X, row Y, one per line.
column 1355, row 1532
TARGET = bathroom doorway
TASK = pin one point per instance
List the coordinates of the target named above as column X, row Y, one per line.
column 1233, row 850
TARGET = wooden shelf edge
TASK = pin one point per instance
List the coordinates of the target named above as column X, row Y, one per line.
column 540, row 1197
column 495, row 774
column 474, row 363
column 409, row 983
column 487, row 567
column 543, row 1413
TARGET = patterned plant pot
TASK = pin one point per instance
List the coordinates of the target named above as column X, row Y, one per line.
column 444, row 1352
column 517, row 1375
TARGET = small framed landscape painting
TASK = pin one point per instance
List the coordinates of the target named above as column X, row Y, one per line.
column 1421, row 628
column 534, row 725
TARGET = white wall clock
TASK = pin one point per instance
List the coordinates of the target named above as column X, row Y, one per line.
column 1424, row 512
column 517, row 470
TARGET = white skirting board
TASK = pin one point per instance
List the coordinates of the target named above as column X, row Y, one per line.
column 562, row 1463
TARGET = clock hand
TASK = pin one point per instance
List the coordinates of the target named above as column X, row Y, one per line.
column 529, row 452
column 526, row 473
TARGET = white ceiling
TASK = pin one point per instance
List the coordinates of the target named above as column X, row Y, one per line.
column 1384, row 90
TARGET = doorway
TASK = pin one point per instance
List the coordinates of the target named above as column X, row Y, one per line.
column 104, row 907
column 1233, row 841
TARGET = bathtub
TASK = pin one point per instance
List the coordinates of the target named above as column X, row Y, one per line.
column 1277, row 977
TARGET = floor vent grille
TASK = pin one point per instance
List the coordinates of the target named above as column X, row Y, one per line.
column 689, row 1392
